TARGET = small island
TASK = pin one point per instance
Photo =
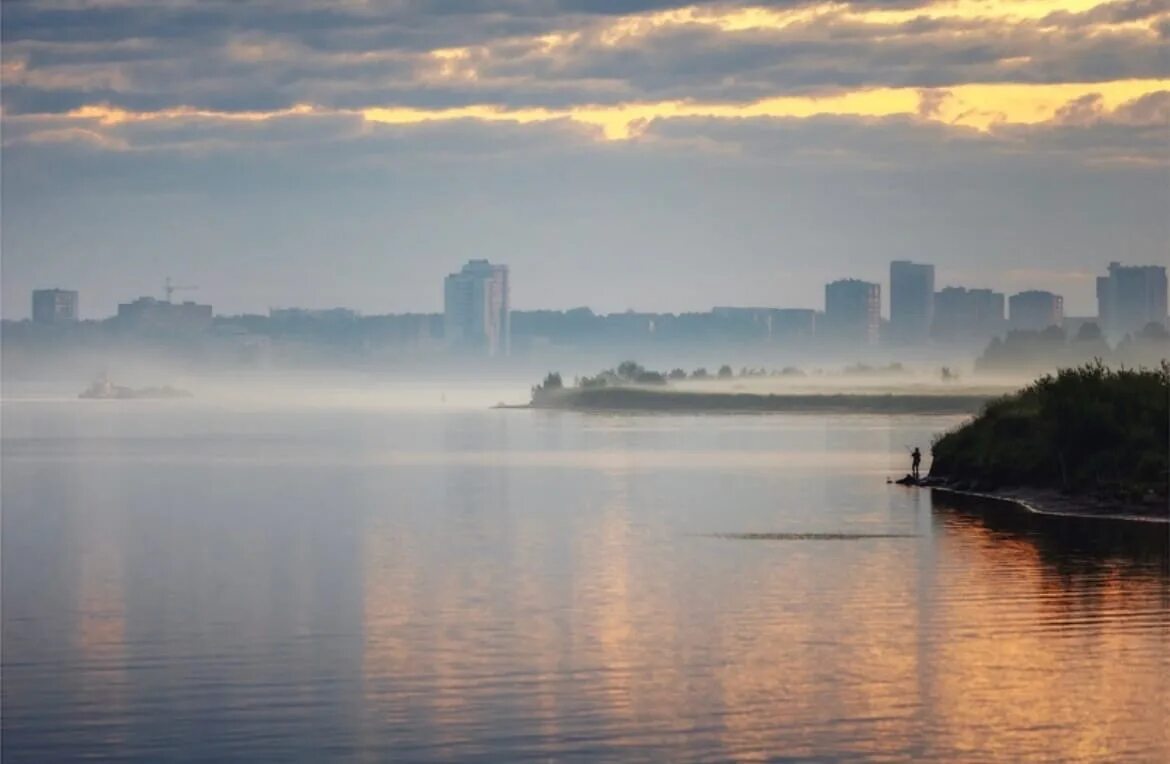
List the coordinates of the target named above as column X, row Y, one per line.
column 103, row 389
column 632, row 388
column 1086, row 441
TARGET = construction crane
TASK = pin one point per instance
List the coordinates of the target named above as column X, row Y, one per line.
column 169, row 288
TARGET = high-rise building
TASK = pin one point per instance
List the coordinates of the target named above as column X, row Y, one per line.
column 1035, row 310
column 476, row 309
column 962, row 314
column 853, row 311
column 54, row 306
column 911, row 301
column 1130, row 297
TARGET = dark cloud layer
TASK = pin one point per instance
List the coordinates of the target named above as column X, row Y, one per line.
column 269, row 55
column 144, row 138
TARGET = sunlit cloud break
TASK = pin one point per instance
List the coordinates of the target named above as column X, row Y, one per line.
column 965, row 63
column 978, row 106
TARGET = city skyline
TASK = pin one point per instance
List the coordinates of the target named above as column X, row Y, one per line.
column 1153, row 299
column 617, row 153
column 477, row 325
column 1084, row 298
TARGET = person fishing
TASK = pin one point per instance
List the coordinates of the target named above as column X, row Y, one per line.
column 915, row 462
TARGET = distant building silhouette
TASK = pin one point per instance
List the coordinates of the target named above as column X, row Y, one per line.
column 755, row 315
column 793, row 323
column 853, row 311
column 476, row 309
column 1035, row 310
column 962, row 314
column 150, row 315
column 54, row 306
column 775, row 324
column 911, row 301
column 1131, row 297
column 293, row 315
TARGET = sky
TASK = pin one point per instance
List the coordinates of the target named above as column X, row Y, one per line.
column 645, row 154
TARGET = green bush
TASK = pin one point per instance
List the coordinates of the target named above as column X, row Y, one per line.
column 1086, row 429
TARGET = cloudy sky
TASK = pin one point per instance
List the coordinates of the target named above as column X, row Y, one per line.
column 650, row 154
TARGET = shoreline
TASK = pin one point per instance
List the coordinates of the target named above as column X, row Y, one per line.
column 1049, row 504
column 632, row 399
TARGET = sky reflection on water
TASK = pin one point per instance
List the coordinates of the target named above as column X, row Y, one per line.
column 524, row 584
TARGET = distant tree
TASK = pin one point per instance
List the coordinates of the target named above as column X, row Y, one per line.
column 1054, row 334
column 700, row 373
column 1028, row 350
column 725, row 372
column 552, row 382
column 1153, row 331
column 650, row 378
column 1089, row 332
column 677, row 374
column 629, row 370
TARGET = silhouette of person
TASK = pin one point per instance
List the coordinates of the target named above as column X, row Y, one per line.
column 916, row 460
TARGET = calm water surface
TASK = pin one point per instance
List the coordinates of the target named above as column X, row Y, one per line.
column 185, row 581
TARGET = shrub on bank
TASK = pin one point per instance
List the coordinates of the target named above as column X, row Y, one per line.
column 1089, row 429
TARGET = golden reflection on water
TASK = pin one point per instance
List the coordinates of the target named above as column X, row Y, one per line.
column 983, row 647
column 100, row 634
column 1023, row 647
column 545, row 592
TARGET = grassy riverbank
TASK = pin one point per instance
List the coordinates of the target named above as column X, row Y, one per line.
column 672, row 400
column 631, row 387
column 1090, row 433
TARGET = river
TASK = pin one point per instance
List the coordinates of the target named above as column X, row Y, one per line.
column 269, row 582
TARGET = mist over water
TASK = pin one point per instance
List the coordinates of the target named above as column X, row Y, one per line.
column 388, row 569
column 468, row 384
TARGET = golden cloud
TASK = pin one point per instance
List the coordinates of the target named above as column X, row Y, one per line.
column 977, row 106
